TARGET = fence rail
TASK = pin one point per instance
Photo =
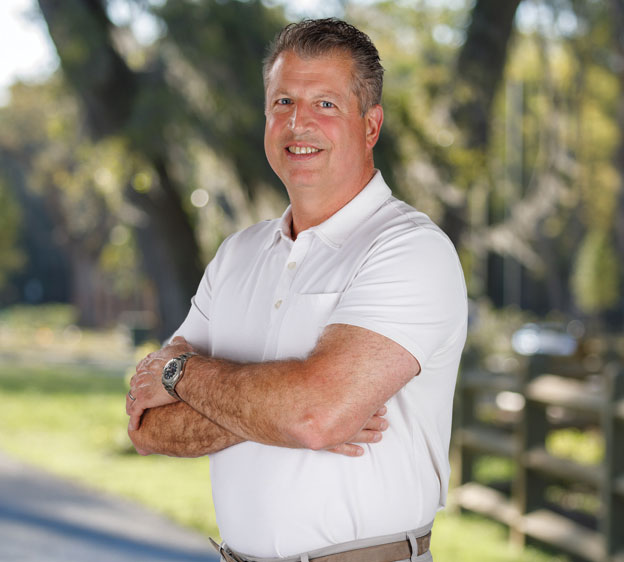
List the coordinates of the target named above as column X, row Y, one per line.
column 548, row 394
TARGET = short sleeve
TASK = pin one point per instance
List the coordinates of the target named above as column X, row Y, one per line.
column 196, row 326
column 410, row 289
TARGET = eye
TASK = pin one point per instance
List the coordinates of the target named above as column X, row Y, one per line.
column 283, row 101
column 327, row 104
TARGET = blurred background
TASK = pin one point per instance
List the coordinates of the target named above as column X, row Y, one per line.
column 131, row 146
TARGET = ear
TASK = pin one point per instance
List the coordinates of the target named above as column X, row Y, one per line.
column 374, row 118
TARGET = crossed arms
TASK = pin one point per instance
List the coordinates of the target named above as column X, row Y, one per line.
column 331, row 400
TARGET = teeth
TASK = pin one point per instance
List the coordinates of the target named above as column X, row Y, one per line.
column 302, row 149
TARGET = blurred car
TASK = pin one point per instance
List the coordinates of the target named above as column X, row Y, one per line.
column 548, row 338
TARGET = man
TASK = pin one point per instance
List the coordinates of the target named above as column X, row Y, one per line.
column 313, row 334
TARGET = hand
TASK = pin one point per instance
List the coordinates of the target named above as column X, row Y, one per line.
column 370, row 433
column 146, row 384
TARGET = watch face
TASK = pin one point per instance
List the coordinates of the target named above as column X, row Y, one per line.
column 170, row 370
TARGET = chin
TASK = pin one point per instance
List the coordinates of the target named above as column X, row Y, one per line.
column 303, row 181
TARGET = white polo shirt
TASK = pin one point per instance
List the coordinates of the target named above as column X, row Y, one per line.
column 378, row 264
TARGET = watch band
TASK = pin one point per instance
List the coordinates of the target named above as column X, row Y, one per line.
column 173, row 371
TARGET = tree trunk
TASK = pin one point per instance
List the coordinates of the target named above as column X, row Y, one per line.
column 618, row 33
column 48, row 260
column 164, row 237
column 617, row 9
column 110, row 92
column 479, row 67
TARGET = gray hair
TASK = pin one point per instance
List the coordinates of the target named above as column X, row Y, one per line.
column 312, row 38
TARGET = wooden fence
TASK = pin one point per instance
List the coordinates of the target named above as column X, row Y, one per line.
column 546, row 395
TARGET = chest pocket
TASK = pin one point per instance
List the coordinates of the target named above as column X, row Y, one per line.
column 304, row 322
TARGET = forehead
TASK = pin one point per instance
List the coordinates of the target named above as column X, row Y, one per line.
column 332, row 70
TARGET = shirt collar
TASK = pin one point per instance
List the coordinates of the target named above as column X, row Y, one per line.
column 337, row 228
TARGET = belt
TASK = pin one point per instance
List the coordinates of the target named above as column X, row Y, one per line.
column 391, row 552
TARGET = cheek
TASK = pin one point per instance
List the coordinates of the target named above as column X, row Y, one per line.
column 273, row 129
column 330, row 126
column 344, row 135
column 270, row 135
column 272, row 145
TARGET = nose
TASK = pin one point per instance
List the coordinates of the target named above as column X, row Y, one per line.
column 300, row 119
column 292, row 122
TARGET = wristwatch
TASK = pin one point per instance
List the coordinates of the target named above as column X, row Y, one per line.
column 173, row 371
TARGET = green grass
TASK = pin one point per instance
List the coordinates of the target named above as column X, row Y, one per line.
column 471, row 538
column 28, row 317
column 585, row 447
column 48, row 334
column 489, row 469
column 71, row 420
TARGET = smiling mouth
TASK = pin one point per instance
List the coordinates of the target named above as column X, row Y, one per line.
column 302, row 150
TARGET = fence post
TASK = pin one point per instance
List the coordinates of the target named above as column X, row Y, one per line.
column 529, row 487
column 464, row 413
column 612, row 520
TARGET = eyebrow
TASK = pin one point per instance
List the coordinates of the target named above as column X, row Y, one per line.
column 320, row 94
column 329, row 94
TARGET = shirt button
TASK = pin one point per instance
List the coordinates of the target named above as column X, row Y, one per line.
column 292, row 265
column 278, row 303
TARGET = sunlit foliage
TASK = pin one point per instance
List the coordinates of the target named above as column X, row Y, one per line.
column 532, row 209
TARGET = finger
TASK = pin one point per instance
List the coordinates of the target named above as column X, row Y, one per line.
column 129, row 403
column 367, row 436
column 144, row 379
column 152, row 363
column 143, row 385
column 134, row 383
column 144, row 363
column 382, row 411
column 178, row 340
column 348, row 450
column 141, row 374
column 141, row 379
column 154, row 355
column 135, row 421
column 376, row 423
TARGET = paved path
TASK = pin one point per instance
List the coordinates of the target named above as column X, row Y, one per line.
column 46, row 519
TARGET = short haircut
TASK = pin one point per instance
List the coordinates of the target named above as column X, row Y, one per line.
column 313, row 38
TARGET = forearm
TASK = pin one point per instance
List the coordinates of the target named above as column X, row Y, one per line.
column 262, row 402
column 328, row 400
column 177, row 430
column 316, row 403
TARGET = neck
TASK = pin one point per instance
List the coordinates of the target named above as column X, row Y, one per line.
column 315, row 207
